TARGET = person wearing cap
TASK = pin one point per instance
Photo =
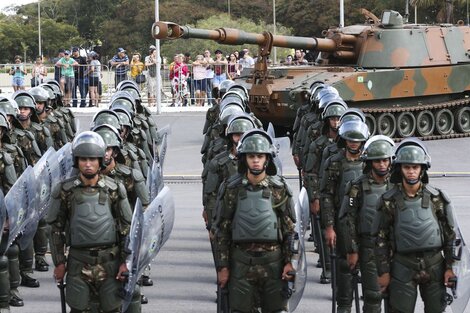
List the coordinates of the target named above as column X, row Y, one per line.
column 255, row 230
column 120, row 64
column 340, row 169
column 67, row 76
column 358, row 211
column 94, row 267
column 414, row 232
column 151, row 66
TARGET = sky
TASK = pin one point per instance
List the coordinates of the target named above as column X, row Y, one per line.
column 7, row 3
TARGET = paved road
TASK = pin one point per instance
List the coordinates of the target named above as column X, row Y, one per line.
column 183, row 271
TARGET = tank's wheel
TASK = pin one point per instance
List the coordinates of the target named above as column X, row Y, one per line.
column 406, row 124
column 444, row 121
column 371, row 123
column 462, row 120
column 425, row 123
column 386, row 124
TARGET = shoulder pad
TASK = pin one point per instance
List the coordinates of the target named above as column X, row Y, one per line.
column 29, row 135
column 9, row 147
column 7, row 158
column 137, row 175
column 36, row 126
column 51, row 118
column 46, row 131
column 137, row 121
column 123, row 169
column 69, row 183
column 276, row 181
column 221, row 157
column 151, row 121
column 141, row 154
column 280, row 182
column 131, row 147
column 132, row 155
column 60, row 123
column 434, row 191
column 389, row 194
column 145, row 125
column 69, row 112
column 110, row 183
column 337, row 157
column 358, row 180
column 20, row 132
column 147, row 111
column 445, row 196
column 234, row 181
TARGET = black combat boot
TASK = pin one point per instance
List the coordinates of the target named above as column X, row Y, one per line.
column 15, row 299
column 41, row 265
column 29, row 281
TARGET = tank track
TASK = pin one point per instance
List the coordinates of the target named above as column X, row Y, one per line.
column 450, row 119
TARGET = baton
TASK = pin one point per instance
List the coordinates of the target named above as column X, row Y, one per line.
column 61, row 286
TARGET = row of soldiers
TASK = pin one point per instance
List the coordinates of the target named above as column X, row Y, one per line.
column 248, row 208
column 122, row 141
column 372, row 209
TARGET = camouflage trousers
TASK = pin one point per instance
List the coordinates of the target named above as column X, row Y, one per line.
column 256, row 281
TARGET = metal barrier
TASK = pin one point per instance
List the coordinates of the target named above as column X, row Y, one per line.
column 176, row 89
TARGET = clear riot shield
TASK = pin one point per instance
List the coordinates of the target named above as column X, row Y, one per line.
column 20, row 203
column 299, row 262
column 461, row 269
column 282, row 146
column 155, row 175
column 3, row 217
column 65, row 158
column 47, row 173
column 158, row 224
column 304, row 211
column 135, row 240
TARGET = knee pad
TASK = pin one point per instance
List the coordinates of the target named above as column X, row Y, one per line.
column 402, row 295
column 40, row 239
column 4, row 281
column 77, row 293
column 13, row 265
column 109, row 294
column 26, row 258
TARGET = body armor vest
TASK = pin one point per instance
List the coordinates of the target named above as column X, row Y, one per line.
column 350, row 170
column 416, row 227
column 92, row 223
column 371, row 194
column 254, row 219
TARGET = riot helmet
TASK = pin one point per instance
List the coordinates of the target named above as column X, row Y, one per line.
column 256, row 141
column 327, row 90
column 41, row 96
column 113, row 140
column 377, row 147
column 135, row 93
column 224, row 86
column 25, row 100
column 228, row 112
column 240, row 124
column 354, row 131
column 334, row 108
column 5, row 127
column 314, row 89
column 124, row 117
column 126, row 82
column 50, row 91
column 108, row 117
column 88, row 145
column 232, row 98
column 9, row 106
column 125, row 100
column 352, row 114
column 239, row 89
column 411, row 151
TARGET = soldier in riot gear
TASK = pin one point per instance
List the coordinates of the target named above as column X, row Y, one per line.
column 340, row 169
column 330, row 121
column 44, row 111
column 223, row 165
column 255, row 262
column 61, row 112
column 97, row 241
column 357, row 213
column 421, row 250
column 9, row 264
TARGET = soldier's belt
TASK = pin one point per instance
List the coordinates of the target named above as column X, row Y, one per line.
column 93, row 256
column 256, row 258
column 420, row 260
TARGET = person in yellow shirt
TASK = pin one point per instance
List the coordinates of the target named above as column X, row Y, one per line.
column 137, row 67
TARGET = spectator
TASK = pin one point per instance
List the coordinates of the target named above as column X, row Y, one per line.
column 289, row 60
column 81, row 81
column 220, row 71
column 187, row 60
column 199, row 73
column 137, row 67
column 151, row 65
column 94, row 76
column 171, row 68
column 237, row 55
column 246, row 61
column 299, row 58
column 209, row 74
column 178, row 83
column 67, row 76
column 233, row 69
column 57, row 69
column 39, row 72
column 18, row 71
column 120, row 62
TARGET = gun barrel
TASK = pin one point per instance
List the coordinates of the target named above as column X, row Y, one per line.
column 230, row 36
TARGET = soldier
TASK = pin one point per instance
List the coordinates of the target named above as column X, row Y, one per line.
column 340, row 169
column 223, row 165
column 330, row 120
column 9, row 264
column 256, row 229
column 97, row 255
column 44, row 112
column 62, row 112
column 357, row 213
column 414, row 226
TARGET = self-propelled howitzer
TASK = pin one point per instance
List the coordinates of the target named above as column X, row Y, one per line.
column 409, row 79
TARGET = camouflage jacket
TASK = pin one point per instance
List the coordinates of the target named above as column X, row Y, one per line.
column 57, row 132
column 19, row 161
column 282, row 204
column 60, row 213
column 7, row 171
column 27, row 143
column 384, row 224
column 42, row 136
column 133, row 181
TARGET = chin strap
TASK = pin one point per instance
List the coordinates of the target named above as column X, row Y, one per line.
column 381, row 173
column 258, row 172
